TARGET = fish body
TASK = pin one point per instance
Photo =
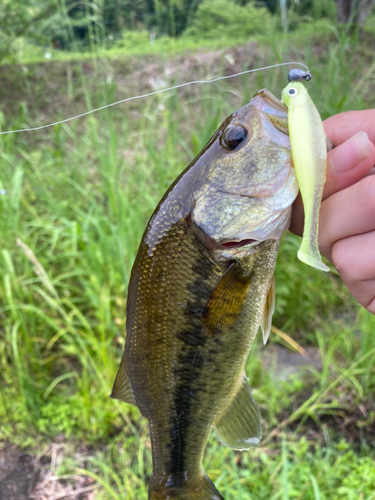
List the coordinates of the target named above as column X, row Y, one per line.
column 201, row 285
column 309, row 151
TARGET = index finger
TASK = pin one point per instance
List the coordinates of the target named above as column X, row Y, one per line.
column 348, row 163
column 339, row 128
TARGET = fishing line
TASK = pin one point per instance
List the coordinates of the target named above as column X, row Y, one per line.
column 150, row 94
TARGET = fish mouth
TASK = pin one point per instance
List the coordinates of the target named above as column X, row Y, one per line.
column 233, row 245
column 226, row 249
column 234, row 221
column 275, row 110
column 250, row 236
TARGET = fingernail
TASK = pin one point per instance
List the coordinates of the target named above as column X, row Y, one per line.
column 350, row 154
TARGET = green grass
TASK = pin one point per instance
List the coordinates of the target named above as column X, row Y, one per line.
column 289, row 470
column 26, row 53
column 77, row 200
column 137, row 43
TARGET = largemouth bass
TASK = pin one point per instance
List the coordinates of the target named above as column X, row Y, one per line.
column 201, row 284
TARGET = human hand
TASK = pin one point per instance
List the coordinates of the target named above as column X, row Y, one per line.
column 347, row 215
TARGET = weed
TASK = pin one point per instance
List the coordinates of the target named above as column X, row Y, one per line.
column 75, row 201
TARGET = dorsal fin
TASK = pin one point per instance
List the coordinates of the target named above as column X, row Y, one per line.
column 121, row 388
column 239, row 426
column 269, row 309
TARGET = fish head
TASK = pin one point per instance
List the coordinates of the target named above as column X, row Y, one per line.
column 249, row 185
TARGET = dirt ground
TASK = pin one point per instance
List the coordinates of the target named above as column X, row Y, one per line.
column 24, row 476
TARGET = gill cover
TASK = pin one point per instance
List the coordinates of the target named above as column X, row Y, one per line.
column 309, row 152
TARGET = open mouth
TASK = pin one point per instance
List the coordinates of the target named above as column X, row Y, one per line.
column 237, row 244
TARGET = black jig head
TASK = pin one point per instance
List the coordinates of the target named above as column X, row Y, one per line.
column 297, row 75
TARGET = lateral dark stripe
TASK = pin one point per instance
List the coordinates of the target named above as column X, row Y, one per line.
column 189, row 365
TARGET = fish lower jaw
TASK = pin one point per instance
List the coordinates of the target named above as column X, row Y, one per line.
column 226, row 249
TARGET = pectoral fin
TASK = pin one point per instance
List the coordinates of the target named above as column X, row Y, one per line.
column 240, row 427
column 269, row 309
column 121, row 388
column 226, row 301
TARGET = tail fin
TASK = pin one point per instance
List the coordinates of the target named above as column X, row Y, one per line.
column 204, row 490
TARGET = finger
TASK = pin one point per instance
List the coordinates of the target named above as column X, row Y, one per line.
column 354, row 259
column 339, row 128
column 349, row 163
column 347, row 213
column 355, row 158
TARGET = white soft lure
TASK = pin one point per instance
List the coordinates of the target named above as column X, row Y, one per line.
column 309, row 153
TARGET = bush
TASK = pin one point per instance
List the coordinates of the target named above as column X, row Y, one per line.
column 131, row 39
column 215, row 18
column 324, row 9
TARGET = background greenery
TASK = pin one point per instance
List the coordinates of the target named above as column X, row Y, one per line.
column 74, row 202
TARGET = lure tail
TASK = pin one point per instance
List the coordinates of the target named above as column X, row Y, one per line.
column 309, row 251
column 203, row 490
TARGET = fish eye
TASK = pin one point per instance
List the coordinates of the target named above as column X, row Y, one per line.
column 233, row 137
column 292, row 91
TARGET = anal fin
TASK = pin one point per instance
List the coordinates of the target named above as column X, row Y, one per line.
column 121, row 388
column 269, row 309
column 240, row 426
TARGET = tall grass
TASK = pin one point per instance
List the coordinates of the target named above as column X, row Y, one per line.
column 75, row 201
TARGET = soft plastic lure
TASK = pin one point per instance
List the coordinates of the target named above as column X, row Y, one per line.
column 309, row 152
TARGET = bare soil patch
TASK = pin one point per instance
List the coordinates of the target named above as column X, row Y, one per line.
column 53, row 90
column 25, row 476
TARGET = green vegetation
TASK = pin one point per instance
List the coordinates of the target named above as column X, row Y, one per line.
column 223, row 16
column 56, row 29
column 74, row 201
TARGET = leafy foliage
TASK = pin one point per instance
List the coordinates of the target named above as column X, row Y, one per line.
column 19, row 18
column 84, row 24
column 214, row 17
